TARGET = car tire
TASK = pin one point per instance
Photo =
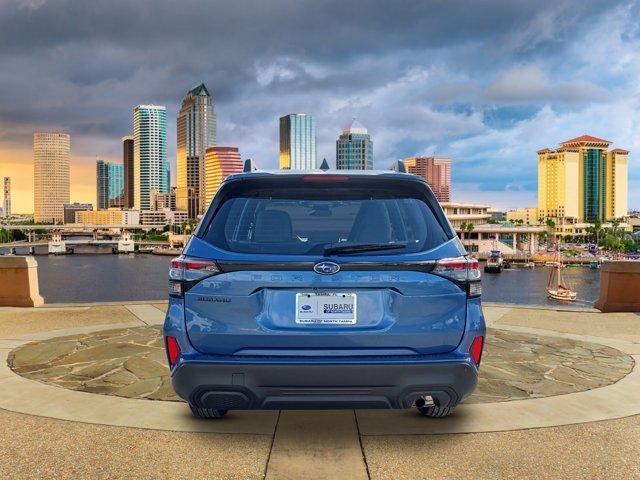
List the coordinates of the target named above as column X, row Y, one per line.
column 208, row 413
column 434, row 411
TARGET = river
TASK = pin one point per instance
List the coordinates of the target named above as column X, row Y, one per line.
column 94, row 277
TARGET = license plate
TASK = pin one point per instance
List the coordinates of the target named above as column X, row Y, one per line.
column 333, row 308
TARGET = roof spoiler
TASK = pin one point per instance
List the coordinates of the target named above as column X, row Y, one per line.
column 398, row 166
column 249, row 166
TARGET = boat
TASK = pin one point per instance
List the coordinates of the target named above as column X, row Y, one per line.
column 495, row 262
column 594, row 265
column 556, row 287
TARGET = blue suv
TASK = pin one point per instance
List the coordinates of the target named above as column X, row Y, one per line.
column 324, row 289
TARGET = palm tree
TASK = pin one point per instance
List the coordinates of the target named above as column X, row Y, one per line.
column 463, row 229
column 470, row 228
column 551, row 225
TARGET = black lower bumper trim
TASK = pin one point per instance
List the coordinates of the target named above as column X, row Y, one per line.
column 301, row 386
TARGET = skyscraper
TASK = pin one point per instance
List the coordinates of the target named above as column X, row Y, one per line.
column 297, row 142
column 127, row 162
column 436, row 171
column 51, row 159
column 102, row 185
column 354, row 148
column 196, row 131
column 150, row 165
column 220, row 162
column 7, row 197
column 109, row 185
column 581, row 180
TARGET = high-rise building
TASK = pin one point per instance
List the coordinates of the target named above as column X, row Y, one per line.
column 436, row 171
column 127, row 163
column 7, row 197
column 102, row 185
column 51, row 159
column 196, row 131
column 297, row 142
column 581, row 180
column 70, row 210
column 354, row 148
column 109, row 185
column 150, row 165
column 220, row 162
column 116, row 185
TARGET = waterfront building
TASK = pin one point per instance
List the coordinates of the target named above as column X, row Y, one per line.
column 109, row 185
column 163, row 201
column 111, row 216
column 127, row 165
column 297, row 142
column 220, row 162
column 51, row 161
column 581, row 181
column 484, row 237
column 529, row 216
column 196, row 131
column 436, row 171
column 160, row 218
column 6, row 210
column 354, row 148
column 150, row 165
column 458, row 213
column 70, row 210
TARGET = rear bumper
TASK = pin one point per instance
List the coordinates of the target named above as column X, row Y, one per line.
column 290, row 386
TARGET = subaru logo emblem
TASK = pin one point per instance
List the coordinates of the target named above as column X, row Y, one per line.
column 326, row 268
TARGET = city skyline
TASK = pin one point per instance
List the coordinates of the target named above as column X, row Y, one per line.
column 418, row 95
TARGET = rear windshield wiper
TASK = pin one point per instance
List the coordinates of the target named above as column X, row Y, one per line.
column 360, row 247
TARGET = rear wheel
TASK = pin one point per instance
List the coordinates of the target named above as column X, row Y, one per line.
column 434, row 411
column 207, row 412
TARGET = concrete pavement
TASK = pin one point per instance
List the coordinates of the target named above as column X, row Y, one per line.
column 370, row 444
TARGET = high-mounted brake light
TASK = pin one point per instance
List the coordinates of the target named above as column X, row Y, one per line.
column 325, row 178
column 173, row 350
column 187, row 271
column 476, row 350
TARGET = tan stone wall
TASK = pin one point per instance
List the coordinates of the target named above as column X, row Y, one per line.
column 19, row 282
column 619, row 287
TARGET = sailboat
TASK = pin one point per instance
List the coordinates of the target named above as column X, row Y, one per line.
column 556, row 287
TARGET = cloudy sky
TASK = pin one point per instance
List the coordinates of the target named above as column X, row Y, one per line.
column 485, row 82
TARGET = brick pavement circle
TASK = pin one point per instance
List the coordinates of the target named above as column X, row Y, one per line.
column 130, row 362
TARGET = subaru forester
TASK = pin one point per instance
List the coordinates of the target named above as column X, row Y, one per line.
column 324, row 289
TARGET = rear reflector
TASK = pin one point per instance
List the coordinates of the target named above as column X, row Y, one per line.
column 476, row 349
column 173, row 350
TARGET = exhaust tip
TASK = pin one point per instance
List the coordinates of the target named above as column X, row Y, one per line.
column 424, row 401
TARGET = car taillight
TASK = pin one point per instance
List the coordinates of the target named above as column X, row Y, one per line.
column 173, row 350
column 476, row 350
column 462, row 270
column 187, row 271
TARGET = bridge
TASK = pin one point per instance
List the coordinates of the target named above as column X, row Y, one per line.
column 77, row 227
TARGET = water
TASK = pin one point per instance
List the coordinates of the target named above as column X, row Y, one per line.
column 529, row 286
column 101, row 278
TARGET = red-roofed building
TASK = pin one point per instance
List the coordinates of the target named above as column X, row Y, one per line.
column 581, row 181
column 586, row 140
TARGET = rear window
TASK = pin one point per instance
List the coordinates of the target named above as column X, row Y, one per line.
column 303, row 221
